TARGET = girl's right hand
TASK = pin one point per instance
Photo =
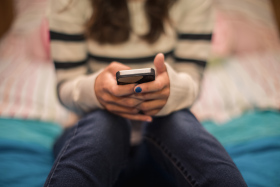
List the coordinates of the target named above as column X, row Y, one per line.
column 114, row 98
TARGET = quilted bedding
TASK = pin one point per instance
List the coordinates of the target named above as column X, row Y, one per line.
column 252, row 140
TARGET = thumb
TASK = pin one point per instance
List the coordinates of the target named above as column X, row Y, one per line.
column 159, row 63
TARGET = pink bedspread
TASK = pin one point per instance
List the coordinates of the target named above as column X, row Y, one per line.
column 27, row 78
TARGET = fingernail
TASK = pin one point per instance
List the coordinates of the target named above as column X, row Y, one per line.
column 138, row 90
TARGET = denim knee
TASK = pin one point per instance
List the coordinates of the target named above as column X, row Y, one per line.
column 94, row 153
column 103, row 127
column 100, row 134
column 174, row 127
column 180, row 143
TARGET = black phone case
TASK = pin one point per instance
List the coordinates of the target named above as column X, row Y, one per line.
column 135, row 78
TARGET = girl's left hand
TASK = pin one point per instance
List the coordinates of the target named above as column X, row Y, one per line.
column 155, row 93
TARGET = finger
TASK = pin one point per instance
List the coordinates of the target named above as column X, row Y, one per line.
column 119, row 109
column 162, row 94
column 151, row 105
column 121, row 90
column 129, row 102
column 111, row 86
column 138, row 117
column 159, row 64
column 114, row 67
column 125, row 101
column 153, row 86
column 107, row 98
column 152, row 112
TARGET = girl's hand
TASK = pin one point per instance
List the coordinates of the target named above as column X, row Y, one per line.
column 115, row 98
column 155, row 93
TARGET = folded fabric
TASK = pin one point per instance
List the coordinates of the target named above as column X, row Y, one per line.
column 258, row 161
column 250, row 126
column 24, row 163
column 238, row 85
column 29, row 131
column 26, row 151
column 253, row 142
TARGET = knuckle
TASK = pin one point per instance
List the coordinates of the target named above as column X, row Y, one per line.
column 168, row 83
column 114, row 91
column 166, row 92
column 130, row 103
column 144, row 96
column 155, row 112
column 136, row 111
column 102, row 103
column 151, row 113
column 103, row 88
column 106, row 98
column 168, row 89
column 113, row 64
column 144, row 107
column 147, row 113
column 159, row 85
column 110, row 67
column 109, row 107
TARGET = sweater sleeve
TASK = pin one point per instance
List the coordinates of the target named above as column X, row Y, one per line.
column 194, row 30
column 69, row 53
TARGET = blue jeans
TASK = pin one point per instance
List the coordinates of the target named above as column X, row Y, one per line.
column 176, row 151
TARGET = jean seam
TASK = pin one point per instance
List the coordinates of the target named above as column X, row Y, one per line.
column 63, row 153
column 169, row 156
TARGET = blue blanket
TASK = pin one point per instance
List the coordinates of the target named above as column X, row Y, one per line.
column 26, row 152
column 258, row 161
column 253, row 141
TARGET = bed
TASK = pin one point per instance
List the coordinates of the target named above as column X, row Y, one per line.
column 239, row 101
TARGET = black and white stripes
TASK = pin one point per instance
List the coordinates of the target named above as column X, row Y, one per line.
column 63, row 41
column 187, row 42
column 66, row 37
column 68, row 65
column 195, row 37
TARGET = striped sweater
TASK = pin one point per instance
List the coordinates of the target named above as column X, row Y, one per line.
column 79, row 60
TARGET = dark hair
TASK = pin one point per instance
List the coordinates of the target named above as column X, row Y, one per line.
column 110, row 21
column 276, row 8
column 7, row 14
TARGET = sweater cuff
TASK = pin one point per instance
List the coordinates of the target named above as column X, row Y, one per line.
column 183, row 92
column 82, row 98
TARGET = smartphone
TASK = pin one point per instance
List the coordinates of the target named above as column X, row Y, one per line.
column 137, row 76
